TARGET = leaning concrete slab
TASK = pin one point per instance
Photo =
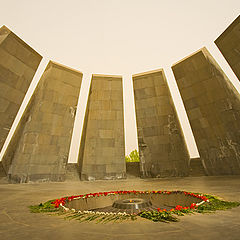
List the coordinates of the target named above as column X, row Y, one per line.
column 229, row 45
column 102, row 154
column 161, row 145
column 18, row 64
column 39, row 149
column 213, row 109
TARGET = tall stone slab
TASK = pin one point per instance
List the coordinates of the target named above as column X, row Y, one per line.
column 39, row 149
column 102, row 154
column 161, row 144
column 213, row 109
column 18, row 64
column 229, row 45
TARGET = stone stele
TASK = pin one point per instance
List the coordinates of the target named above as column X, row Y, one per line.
column 229, row 45
column 213, row 109
column 18, row 64
column 39, row 149
column 162, row 149
column 102, row 154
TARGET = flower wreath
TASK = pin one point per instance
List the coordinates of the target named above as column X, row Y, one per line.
column 208, row 203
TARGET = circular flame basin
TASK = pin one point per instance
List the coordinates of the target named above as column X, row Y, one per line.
column 132, row 203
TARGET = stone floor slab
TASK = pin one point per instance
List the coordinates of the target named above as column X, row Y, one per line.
column 18, row 223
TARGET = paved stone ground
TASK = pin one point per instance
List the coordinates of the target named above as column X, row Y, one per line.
column 16, row 222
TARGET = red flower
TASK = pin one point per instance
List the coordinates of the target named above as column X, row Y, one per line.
column 178, row 208
column 193, row 206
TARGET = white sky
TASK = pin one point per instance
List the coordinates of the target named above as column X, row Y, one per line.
column 119, row 37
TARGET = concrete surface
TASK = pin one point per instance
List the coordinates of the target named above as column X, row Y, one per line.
column 17, row 223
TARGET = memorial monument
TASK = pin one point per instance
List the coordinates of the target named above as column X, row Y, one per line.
column 213, row 109
column 102, row 151
column 161, row 144
column 39, row 149
column 18, row 64
column 229, row 45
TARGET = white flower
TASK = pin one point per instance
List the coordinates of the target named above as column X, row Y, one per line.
column 200, row 203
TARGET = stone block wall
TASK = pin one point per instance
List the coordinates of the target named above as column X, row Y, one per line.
column 39, row 149
column 213, row 109
column 18, row 64
column 229, row 45
column 102, row 151
column 162, row 148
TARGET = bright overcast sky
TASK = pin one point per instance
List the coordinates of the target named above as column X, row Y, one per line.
column 120, row 37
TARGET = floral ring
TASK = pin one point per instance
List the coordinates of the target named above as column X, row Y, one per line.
column 122, row 205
